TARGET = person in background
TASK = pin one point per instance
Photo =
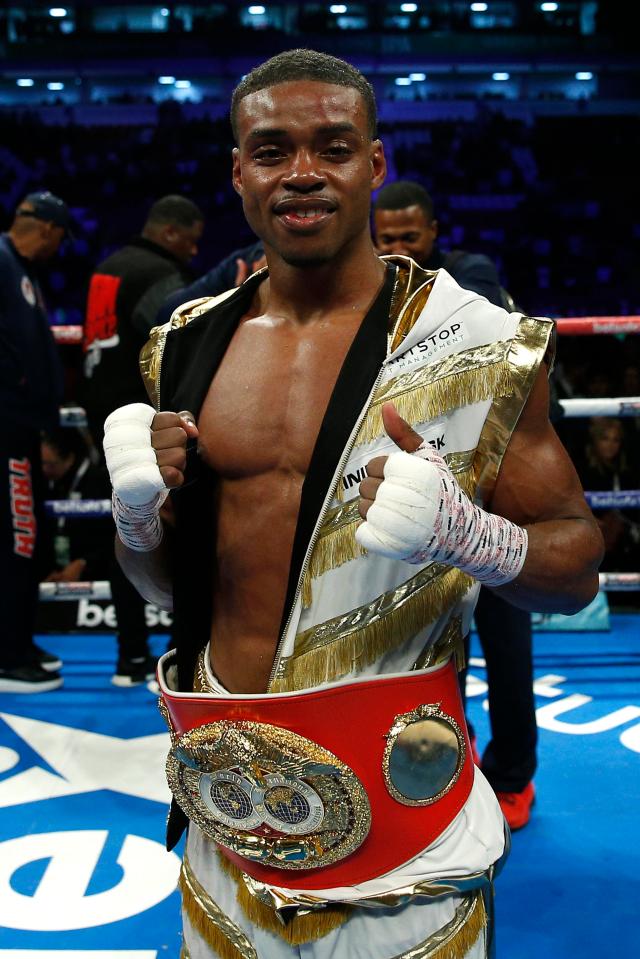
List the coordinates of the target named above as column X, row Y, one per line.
column 230, row 272
column 125, row 293
column 30, row 392
column 606, row 465
column 404, row 223
column 77, row 548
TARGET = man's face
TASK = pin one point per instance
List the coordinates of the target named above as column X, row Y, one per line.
column 408, row 232
column 305, row 168
column 54, row 464
column 183, row 241
column 47, row 236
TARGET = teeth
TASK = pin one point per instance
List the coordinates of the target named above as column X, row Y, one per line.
column 306, row 213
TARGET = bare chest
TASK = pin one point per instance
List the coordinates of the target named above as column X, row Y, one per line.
column 267, row 400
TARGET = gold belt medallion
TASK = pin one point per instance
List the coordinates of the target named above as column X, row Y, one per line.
column 269, row 794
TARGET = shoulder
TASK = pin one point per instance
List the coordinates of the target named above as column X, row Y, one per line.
column 181, row 318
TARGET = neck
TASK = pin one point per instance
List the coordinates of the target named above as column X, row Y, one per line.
column 347, row 283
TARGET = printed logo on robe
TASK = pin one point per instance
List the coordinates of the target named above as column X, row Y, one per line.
column 101, row 324
column 21, row 494
column 439, row 342
column 28, row 291
column 354, row 476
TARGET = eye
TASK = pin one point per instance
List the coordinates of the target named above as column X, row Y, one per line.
column 337, row 151
column 268, row 154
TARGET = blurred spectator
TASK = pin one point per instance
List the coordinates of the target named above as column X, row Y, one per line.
column 230, row 272
column 405, row 224
column 76, row 548
column 125, row 294
column 606, row 465
column 30, row 391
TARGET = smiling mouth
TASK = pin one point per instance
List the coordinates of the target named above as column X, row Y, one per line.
column 304, row 217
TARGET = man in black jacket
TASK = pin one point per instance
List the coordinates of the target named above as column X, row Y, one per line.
column 125, row 293
column 30, row 391
column 405, row 224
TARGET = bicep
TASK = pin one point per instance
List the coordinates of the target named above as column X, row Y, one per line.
column 537, row 480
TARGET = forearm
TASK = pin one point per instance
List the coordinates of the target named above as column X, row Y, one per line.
column 560, row 571
column 150, row 572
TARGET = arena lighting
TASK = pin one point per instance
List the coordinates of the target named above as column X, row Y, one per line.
column 549, row 7
column 479, row 7
column 257, row 10
column 164, row 12
column 408, row 7
column 403, row 82
column 25, row 82
column 500, row 76
column 166, row 81
column 56, row 85
column 183, row 84
column 57, row 12
column 418, row 76
column 338, row 8
column 584, row 75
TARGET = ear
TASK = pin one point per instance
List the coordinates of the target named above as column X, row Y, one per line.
column 236, row 175
column 378, row 164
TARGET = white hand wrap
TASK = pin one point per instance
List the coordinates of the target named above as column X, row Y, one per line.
column 138, row 487
column 420, row 514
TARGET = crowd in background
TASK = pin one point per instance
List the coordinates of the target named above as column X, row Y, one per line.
column 548, row 201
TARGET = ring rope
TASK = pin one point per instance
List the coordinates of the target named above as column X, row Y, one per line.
column 598, row 325
column 91, row 508
column 95, row 508
column 101, row 588
column 622, row 406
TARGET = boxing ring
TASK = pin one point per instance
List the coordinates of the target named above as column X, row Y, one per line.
column 83, row 869
column 616, row 407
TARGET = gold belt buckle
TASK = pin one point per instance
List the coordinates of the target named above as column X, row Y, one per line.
column 269, row 794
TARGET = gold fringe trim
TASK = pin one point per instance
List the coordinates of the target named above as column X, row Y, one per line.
column 299, row 930
column 209, row 921
column 466, row 927
column 332, row 649
column 449, row 643
column 422, row 402
column 307, row 591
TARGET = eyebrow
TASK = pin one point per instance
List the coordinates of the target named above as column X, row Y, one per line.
column 276, row 133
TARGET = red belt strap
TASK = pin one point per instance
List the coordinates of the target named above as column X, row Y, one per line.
column 353, row 721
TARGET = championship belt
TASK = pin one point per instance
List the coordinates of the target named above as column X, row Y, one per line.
column 324, row 787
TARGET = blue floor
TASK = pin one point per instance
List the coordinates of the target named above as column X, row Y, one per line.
column 83, row 873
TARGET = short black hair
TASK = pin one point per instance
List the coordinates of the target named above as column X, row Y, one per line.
column 305, row 65
column 404, row 193
column 175, row 209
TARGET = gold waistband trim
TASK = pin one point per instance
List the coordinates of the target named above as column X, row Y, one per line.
column 209, row 921
column 306, row 925
column 334, row 648
column 455, row 939
column 452, row 941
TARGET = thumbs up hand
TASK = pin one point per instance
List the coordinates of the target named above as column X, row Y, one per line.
column 415, row 510
column 400, row 498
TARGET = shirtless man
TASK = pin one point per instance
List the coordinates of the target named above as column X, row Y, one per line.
column 299, row 384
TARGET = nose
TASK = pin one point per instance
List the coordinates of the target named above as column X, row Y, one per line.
column 303, row 174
